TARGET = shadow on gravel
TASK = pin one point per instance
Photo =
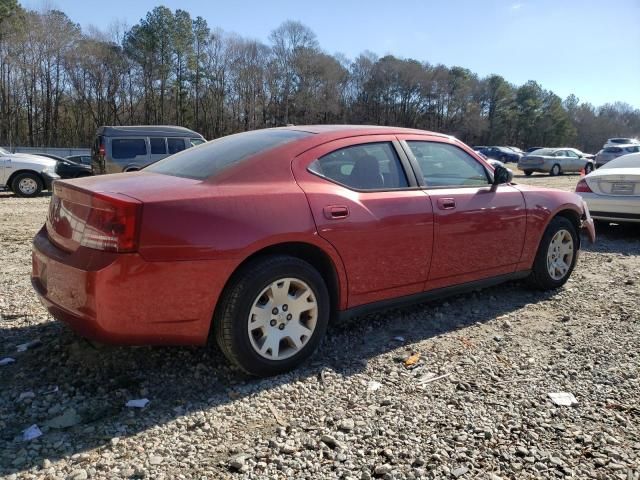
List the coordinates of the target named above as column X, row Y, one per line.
column 615, row 238
column 67, row 372
column 10, row 194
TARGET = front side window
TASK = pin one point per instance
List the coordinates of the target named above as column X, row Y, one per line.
column 122, row 148
column 158, row 146
column 370, row 166
column 445, row 165
column 175, row 145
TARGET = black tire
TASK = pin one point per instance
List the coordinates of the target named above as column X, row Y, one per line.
column 555, row 170
column 233, row 311
column 528, row 173
column 540, row 277
column 19, row 189
column 588, row 168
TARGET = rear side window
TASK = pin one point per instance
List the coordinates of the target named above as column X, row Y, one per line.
column 175, row 145
column 445, row 165
column 613, row 150
column 370, row 166
column 158, row 146
column 632, row 149
column 128, row 147
column 211, row 158
column 195, row 141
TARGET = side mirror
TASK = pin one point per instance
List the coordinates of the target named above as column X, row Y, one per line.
column 501, row 175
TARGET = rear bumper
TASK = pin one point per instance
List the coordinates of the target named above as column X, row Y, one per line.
column 125, row 299
column 613, row 207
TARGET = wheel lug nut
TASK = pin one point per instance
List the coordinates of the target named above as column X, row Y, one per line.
column 285, row 307
column 274, row 311
column 281, row 327
column 289, row 317
column 273, row 323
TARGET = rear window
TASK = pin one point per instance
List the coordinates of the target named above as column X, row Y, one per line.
column 128, row 147
column 620, row 140
column 211, row 158
column 542, row 152
column 612, row 150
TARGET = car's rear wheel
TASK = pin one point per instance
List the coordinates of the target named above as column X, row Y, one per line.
column 27, row 185
column 528, row 173
column 556, row 256
column 272, row 315
column 555, row 170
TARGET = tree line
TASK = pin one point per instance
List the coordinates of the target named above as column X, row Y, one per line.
column 58, row 83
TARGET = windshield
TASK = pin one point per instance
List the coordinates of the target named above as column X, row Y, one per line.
column 4, row 152
column 211, row 158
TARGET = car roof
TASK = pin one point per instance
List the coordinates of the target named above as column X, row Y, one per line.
column 146, row 130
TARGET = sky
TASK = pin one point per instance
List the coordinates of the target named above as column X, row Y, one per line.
column 590, row 48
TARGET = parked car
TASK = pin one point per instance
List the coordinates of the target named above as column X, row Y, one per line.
column 612, row 142
column 589, row 156
column 532, row 149
column 517, row 150
column 258, row 239
column 609, row 153
column 613, row 191
column 26, row 175
column 477, row 148
column 83, row 159
column 554, row 161
column 66, row 168
column 128, row 149
column 504, row 154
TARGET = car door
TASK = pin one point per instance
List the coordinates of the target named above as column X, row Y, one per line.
column 3, row 168
column 576, row 163
column 366, row 202
column 158, row 148
column 479, row 231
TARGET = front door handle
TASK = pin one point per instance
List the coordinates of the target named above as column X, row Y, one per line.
column 446, row 203
column 336, row 212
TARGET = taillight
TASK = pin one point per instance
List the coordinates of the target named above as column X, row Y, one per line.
column 112, row 223
column 101, row 151
column 583, row 186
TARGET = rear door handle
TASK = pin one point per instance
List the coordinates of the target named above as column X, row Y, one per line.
column 446, row 203
column 335, row 212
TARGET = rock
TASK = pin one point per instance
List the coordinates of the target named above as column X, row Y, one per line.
column 79, row 474
column 155, row 460
column 460, row 471
column 68, row 419
column 329, row 441
column 347, row 425
column 381, row 470
column 237, row 462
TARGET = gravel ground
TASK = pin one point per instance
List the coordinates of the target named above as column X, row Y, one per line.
column 475, row 405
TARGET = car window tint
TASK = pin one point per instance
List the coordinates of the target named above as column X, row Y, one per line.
column 211, row 158
column 445, row 165
column 370, row 166
column 195, row 141
column 158, row 146
column 175, row 145
column 128, row 147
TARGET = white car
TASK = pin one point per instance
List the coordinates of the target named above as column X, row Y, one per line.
column 612, row 142
column 612, row 192
column 26, row 175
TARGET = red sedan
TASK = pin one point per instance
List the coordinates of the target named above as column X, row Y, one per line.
column 258, row 239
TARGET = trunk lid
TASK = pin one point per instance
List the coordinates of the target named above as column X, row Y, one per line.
column 624, row 182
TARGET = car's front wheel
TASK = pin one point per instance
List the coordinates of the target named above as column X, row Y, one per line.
column 272, row 315
column 556, row 256
column 528, row 173
column 27, row 185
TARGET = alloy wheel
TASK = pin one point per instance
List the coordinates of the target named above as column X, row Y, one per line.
column 282, row 319
column 560, row 254
column 28, row 186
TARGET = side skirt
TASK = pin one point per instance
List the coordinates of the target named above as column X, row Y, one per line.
column 436, row 294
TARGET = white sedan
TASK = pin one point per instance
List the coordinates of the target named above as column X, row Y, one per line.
column 612, row 192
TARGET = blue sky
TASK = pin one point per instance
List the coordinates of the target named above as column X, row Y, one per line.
column 590, row 48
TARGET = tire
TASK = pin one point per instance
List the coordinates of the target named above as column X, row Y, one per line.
column 27, row 185
column 541, row 277
column 588, row 168
column 528, row 173
column 255, row 287
column 555, row 170
column 82, row 175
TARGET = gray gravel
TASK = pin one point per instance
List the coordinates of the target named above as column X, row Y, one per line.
column 354, row 411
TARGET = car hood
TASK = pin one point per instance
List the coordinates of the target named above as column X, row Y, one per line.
column 25, row 157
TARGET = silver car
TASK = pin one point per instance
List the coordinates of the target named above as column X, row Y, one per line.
column 614, row 151
column 555, row 161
